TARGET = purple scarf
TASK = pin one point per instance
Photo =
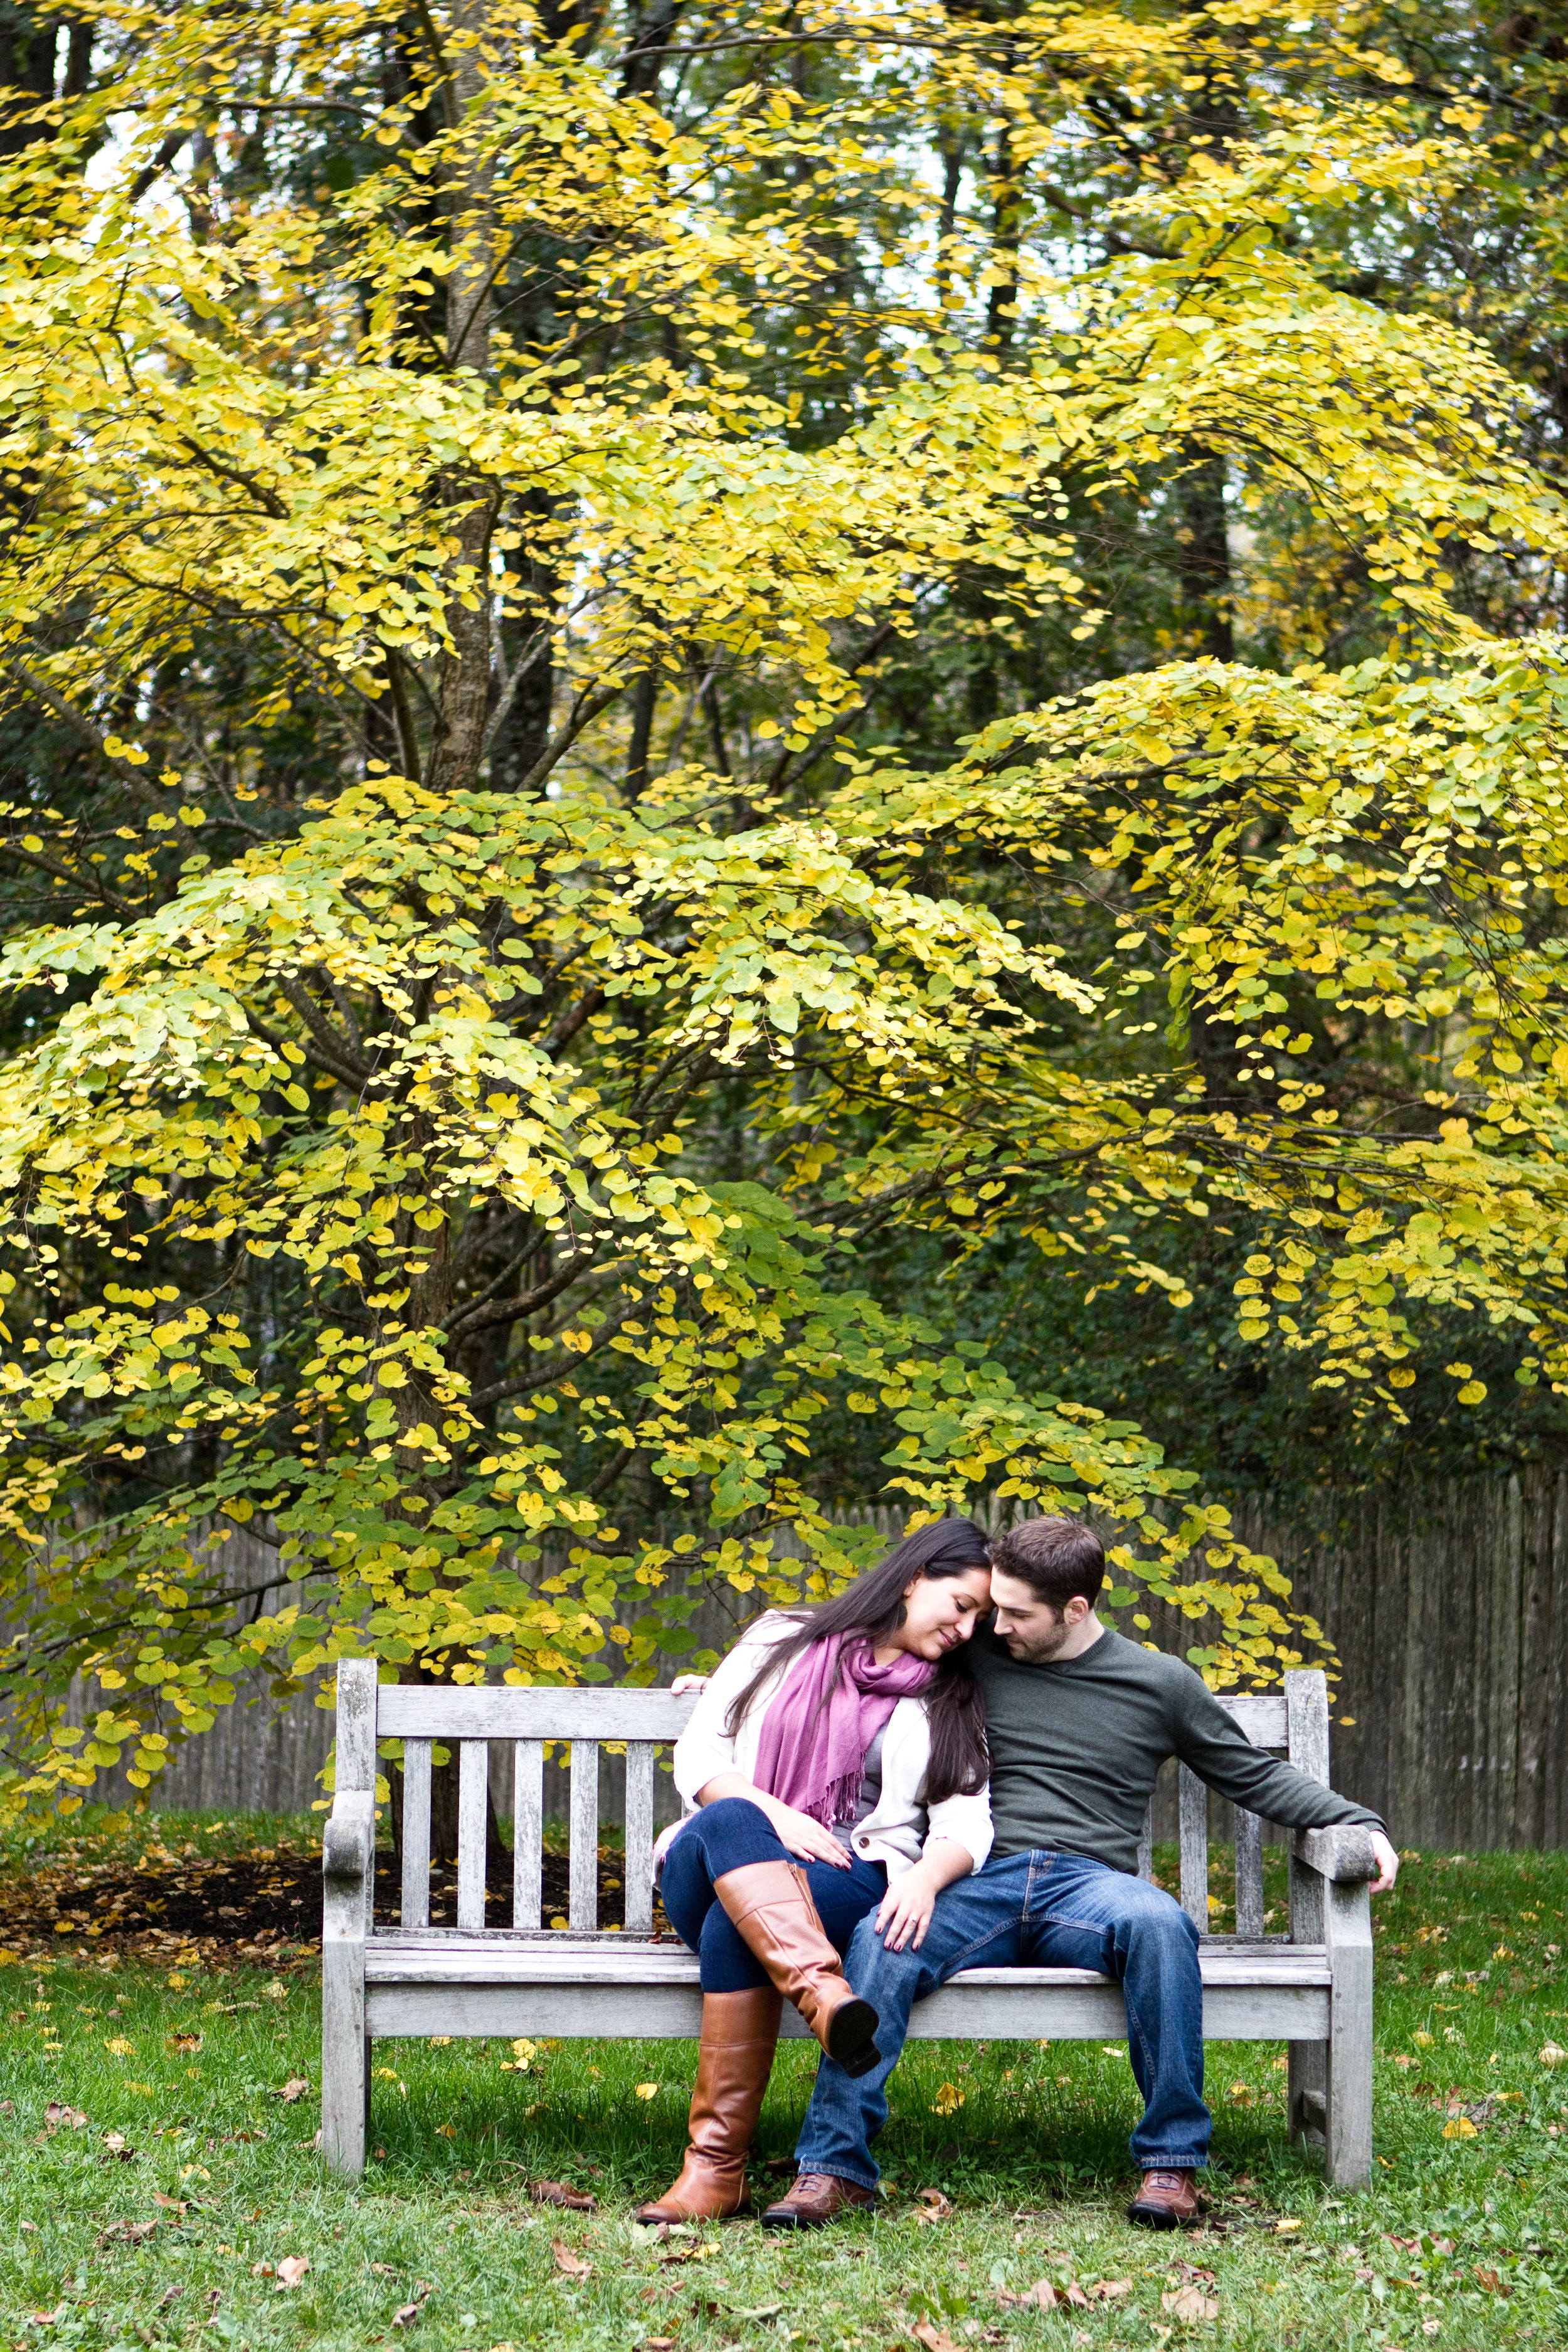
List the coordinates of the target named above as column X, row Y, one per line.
column 811, row 1755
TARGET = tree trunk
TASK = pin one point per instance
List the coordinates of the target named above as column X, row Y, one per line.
column 463, row 693
column 1204, row 558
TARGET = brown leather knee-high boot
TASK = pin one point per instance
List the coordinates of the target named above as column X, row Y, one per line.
column 740, row 2033
column 770, row 1905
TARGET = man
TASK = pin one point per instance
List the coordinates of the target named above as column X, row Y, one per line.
column 1080, row 1722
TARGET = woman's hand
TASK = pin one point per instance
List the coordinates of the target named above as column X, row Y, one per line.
column 685, row 1683
column 907, row 1906
column 801, row 1834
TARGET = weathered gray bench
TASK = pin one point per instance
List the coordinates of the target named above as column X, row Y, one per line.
column 1312, row 1988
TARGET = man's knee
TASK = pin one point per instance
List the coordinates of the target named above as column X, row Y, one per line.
column 1152, row 1920
column 867, row 1962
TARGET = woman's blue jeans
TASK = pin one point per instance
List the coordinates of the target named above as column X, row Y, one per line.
column 1034, row 1910
column 726, row 1836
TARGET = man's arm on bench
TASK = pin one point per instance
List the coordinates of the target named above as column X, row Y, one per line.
column 1213, row 1744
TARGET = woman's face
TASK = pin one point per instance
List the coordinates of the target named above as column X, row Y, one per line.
column 942, row 1611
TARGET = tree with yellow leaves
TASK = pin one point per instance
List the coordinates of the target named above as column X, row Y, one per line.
column 363, row 1148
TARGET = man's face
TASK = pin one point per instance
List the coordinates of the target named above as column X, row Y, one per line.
column 1034, row 1632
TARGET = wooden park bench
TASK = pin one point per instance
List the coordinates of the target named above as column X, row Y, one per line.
column 1312, row 1988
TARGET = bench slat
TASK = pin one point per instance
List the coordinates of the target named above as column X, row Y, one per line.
column 1260, row 1714
column 473, row 1790
column 527, row 1830
column 1146, row 1844
column 416, row 1833
column 425, row 1711
column 584, row 1842
column 1194, row 1816
column 1249, row 1873
column 640, row 1836
column 626, row 1962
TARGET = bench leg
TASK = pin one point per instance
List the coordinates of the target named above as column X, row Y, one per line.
column 1347, row 2131
column 1307, row 2093
column 345, row 2058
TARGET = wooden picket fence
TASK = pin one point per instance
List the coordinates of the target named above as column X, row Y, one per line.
column 1448, row 1605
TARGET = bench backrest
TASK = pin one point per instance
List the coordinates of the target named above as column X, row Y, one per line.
column 1294, row 1720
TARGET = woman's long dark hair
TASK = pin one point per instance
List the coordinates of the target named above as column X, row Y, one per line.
column 873, row 1606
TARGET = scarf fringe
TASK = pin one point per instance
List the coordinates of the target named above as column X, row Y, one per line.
column 839, row 1803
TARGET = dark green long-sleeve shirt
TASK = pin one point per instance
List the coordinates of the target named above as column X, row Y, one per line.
column 1075, row 1746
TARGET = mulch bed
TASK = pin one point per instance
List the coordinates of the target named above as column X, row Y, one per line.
column 261, row 1908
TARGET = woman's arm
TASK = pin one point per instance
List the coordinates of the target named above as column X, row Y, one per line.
column 705, row 1748
column 803, row 1836
column 907, row 1906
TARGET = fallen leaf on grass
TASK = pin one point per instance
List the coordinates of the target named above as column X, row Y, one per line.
column 292, row 2269
column 385, row 2270
column 114, row 2146
column 1109, row 2290
column 184, row 2042
column 1283, row 2229
column 570, row 2264
column 935, row 2339
column 658, row 2343
column 130, row 2233
column 1041, row 2297
column 294, row 2088
column 56, row 2113
column 170, row 2294
column 169, row 2204
column 262, row 2270
column 933, row 2205
column 406, row 2315
column 1460, row 2127
column 1189, row 2304
column 555, row 2192
column 1491, row 2282
column 689, row 2253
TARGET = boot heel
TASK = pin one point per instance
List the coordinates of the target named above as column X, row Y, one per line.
column 850, row 2032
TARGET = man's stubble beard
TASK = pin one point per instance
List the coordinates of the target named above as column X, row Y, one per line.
column 1038, row 1653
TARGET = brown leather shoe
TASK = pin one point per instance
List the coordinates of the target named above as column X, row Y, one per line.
column 817, row 2198
column 771, row 1908
column 734, row 2058
column 1167, row 2200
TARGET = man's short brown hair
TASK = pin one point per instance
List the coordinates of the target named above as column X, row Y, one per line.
column 1058, row 1560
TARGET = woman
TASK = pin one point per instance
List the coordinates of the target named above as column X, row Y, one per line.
column 848, row 1737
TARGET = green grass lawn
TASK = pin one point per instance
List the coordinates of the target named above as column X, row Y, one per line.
column 1460, row 2242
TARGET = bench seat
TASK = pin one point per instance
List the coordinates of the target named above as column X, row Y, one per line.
column 618, row 1986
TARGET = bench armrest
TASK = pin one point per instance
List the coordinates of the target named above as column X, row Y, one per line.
column 348, row 1843
column 1343, row 1853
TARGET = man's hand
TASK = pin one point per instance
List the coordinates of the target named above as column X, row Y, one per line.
column 1387, row 1863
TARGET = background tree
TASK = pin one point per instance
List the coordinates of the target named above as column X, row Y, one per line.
column 527, row 1011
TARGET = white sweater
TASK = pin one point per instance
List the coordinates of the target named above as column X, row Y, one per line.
column 901, row 1824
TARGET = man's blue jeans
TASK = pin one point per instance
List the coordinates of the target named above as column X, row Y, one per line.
column 1034, row 1910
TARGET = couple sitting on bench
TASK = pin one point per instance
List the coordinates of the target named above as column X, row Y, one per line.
column 888, row 1789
